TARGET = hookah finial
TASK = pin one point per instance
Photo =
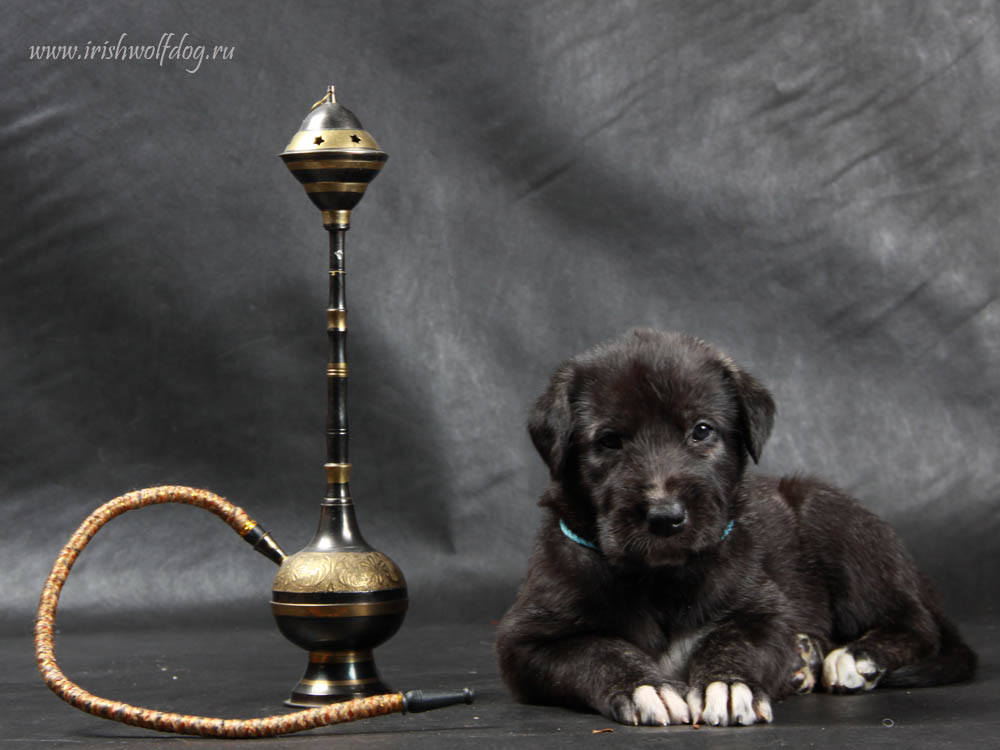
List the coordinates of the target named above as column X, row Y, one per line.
column 334, row 158
column 330, row 96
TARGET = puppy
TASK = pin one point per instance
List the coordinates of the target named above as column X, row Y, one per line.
column 668, row 585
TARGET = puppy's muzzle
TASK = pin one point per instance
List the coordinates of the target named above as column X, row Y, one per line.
column 666, row 519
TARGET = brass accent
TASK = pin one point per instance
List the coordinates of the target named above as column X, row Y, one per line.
column 337, row 473
column 339, row 610
column 337, row 370
column 335, row 187
column 340, row 218
column 340, row 657
column 305, row 140
column 335, row 164
column 318, row 572
column 248, row 527
column 338, row 683
column 336, row 320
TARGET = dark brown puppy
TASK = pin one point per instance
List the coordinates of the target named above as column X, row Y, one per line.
column 669, row 586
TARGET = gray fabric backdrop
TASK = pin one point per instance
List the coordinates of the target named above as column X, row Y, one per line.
column 810, row 185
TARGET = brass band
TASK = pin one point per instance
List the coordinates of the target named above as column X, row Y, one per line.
column 335, row 164
column 370, row 609
column 339, row 657
column 337, row 370
column 338, row 473
column 248, row 527
column 336, row 320
column 321, row 140
column 339, row 683
column 341, row 218
column 335, row 187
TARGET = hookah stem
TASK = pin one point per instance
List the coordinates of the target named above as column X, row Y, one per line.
column 251, row 532
column 338, row 467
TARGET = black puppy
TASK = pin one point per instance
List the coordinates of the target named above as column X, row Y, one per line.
column 669, row 586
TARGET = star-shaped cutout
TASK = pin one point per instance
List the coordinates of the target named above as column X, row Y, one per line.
column 318, row 140
column 355, row 139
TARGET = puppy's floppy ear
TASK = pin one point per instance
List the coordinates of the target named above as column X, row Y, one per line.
column 756, row 409
column 551, row 422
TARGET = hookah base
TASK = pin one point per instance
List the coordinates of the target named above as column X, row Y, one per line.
column 334, row 676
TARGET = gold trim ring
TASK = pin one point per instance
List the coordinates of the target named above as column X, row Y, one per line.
column 369, row 609
column 340, row 657
column 328, row 163
column 337, row 473
column 336, row 320
column 320, row 140
column 335, row 187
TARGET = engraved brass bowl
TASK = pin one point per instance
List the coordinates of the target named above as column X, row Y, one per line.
column 338, row 601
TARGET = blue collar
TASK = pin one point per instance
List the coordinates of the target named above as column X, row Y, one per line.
column 578, row 539
column 590, row 545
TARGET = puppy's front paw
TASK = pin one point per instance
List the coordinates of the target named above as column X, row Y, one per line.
column 729, row 704
column 847, row 672
column 649, row 706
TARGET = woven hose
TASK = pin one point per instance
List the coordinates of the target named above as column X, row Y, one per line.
column 73, row 694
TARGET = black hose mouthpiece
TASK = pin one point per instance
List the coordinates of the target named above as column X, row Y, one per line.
column 415, row 701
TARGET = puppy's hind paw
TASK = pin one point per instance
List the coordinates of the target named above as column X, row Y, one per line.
column 649, row 706
column 804, row 678
column 729, row 704
column 848, row 672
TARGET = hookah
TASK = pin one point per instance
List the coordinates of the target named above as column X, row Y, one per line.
column 338, row 598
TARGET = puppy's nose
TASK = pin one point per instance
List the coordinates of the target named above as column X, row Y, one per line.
column 666, row 519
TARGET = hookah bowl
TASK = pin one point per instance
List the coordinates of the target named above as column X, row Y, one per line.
column 338, row 598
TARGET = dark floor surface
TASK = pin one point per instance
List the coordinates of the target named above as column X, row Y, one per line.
column 247, row 671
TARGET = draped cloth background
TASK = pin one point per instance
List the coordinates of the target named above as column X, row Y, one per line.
column 812, row 186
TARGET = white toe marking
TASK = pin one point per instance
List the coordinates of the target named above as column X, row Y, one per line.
column 694, row 701
column 847, row 672
column 865, row 667
column 649, row 707
column 841, row 670
column 676, row 706
column 763, row 710
column 717, row 704
column 834, row 667
column 869, row 672
column 830, row 668
column 742, row 704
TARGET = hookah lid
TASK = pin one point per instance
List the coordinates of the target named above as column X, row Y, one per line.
column 334, row 159
column 331, row 126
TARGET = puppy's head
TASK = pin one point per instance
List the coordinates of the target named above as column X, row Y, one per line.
column 646, row 440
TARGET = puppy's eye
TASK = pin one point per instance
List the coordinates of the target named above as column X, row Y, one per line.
column 702, row 431
column 609, row 440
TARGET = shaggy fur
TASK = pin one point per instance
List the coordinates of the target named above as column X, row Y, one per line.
column 675, row 615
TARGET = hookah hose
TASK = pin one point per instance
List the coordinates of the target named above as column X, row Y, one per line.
column 352, row 710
